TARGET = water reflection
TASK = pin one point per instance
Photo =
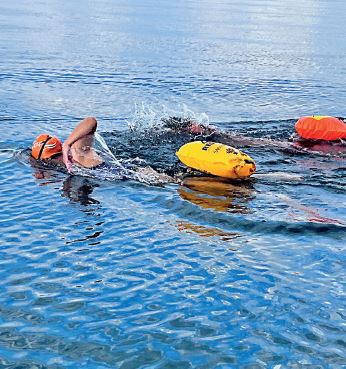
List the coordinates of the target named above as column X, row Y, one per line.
column 46, row 177
column 217, row 194
column 204, row 231
column 79, row 189
column 76, row 188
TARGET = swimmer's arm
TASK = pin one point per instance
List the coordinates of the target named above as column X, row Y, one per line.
column 246, row 141
column 84, row 128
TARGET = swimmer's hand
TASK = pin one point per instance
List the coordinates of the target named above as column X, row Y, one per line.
column 67, row 156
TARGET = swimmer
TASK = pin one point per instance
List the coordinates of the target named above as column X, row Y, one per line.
column 201, row 132
column 77, row 150
column 210, row 133
column 198, row 131
column 186, row 125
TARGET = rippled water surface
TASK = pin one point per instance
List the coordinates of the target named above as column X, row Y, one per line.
column 204, row 274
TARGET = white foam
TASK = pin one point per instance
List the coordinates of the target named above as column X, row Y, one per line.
column 280, row 176
column 146, row 116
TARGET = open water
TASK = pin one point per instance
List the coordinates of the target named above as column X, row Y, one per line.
column 207, row 274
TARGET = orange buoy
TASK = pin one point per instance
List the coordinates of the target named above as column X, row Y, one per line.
column 321, row 128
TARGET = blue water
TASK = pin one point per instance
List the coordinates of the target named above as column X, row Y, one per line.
column 207, row 274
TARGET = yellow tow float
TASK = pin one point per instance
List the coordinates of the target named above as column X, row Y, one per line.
column 217, row 159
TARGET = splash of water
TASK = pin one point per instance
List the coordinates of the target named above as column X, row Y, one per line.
column 116, row 169
column 102, row 149
column 148, row 117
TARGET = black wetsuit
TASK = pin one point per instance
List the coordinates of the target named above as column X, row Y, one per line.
column 157, row 147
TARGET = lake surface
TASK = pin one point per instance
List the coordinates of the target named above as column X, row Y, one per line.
column 207, row 274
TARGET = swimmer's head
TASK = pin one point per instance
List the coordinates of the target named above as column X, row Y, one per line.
column 45, row 147
column 187, row 125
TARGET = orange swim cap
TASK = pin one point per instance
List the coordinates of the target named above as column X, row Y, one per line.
column 46, row 146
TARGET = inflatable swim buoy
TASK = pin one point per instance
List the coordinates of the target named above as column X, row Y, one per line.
column 217, row 159
column 321, row 128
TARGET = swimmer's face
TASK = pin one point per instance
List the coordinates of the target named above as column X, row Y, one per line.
column 46, row 147
column 199, row 129
column 196, row 128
